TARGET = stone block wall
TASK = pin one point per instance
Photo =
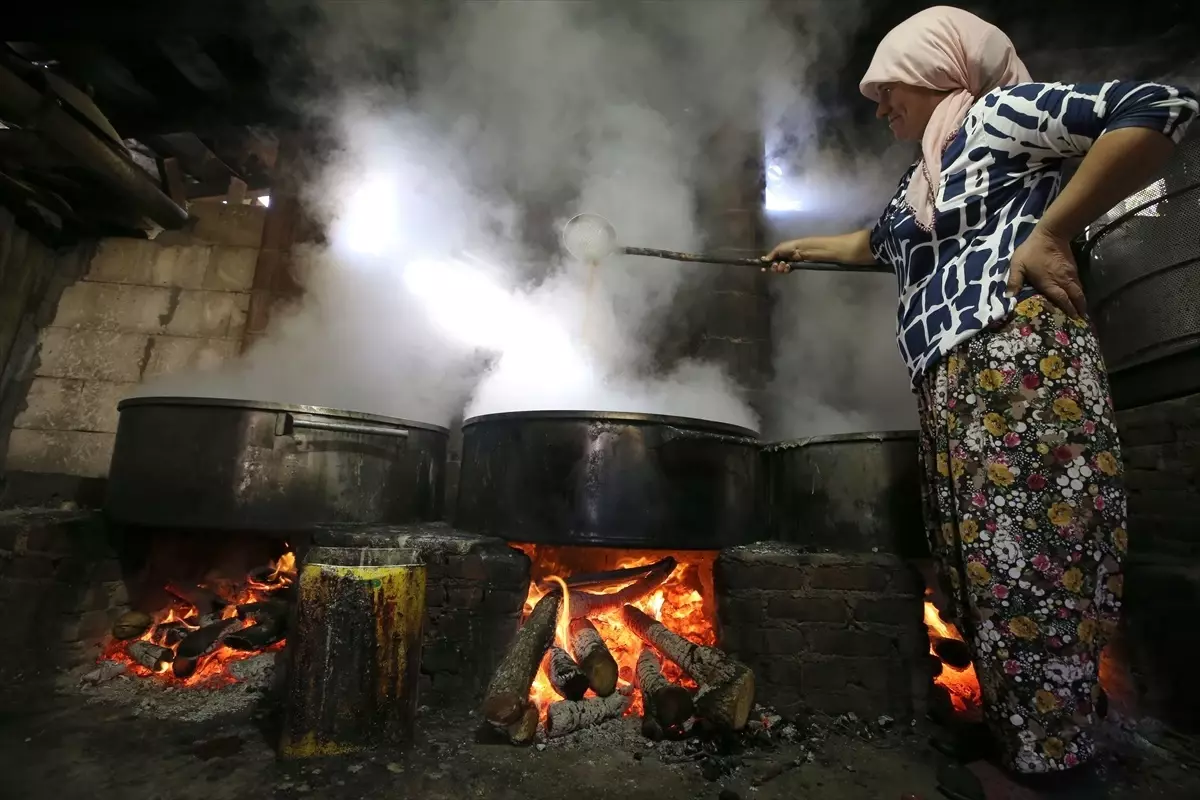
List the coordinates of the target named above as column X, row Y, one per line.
column 142, row 309
column 61, row 589
column 825, row 632
column 1161, row 451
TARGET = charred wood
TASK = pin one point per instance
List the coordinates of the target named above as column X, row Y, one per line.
column 593, row 657
column 726, row 685
column 610, row 577
column 204, row 640
column 256, row 637
column 199, row 598
column 565, row 676
column 263, row 610
column 586, row 604
column 524, row 730
column 670, row 704
column 568, row 716
column 508, row 692
column 184, row 668
column 151, row 656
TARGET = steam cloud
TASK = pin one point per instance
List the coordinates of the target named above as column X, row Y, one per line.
column 442, row 203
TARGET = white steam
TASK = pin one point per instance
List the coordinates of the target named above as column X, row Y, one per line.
column 441, row 286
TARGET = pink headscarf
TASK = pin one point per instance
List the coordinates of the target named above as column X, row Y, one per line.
column 948, row 50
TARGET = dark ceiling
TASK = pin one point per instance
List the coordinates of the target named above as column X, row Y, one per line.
column 200, row 81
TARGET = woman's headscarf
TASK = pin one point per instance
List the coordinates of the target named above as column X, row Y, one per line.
column 948, row 50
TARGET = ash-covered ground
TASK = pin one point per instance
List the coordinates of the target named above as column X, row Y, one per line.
column 136, row 738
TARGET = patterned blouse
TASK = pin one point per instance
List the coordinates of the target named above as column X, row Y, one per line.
column 999, row 174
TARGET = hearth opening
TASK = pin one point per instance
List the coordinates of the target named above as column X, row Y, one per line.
column 954, row 673
column 616, row 598
column 203, row 606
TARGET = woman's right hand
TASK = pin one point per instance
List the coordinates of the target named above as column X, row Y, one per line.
column 791, row 250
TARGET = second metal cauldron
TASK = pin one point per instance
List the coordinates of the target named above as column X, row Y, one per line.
column 608, row 479
column 857, row 492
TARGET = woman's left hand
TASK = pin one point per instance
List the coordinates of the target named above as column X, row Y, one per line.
column 1046, row 262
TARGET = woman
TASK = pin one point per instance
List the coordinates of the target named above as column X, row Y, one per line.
column 1025, row 506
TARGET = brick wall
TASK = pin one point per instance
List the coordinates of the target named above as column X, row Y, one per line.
column 826, row 632
column 142, row 309
column 1161, row 449
column 61, row 589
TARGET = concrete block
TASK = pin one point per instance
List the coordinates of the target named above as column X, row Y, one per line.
column 231, row 269
column 91, row 355
column 180, row 266
column 62, row 404
column 80, row 453
column 214, row 222
column 172, row 354
column 121, row 260
column 113, row 307
column 208, row 315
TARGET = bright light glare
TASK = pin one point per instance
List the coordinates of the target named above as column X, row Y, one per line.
column 780, row 193
column 369, row 220
column 465, row 302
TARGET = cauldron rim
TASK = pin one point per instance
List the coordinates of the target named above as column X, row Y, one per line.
column 256, row 405
column 842, row 438
column 627, row 417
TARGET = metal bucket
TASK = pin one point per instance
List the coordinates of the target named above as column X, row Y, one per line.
column 851, row 493
column 354, row 651
column 608, row 480
column 192, row 462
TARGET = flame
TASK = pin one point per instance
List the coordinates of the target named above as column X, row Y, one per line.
column 212, row 670
column 962, row 684
column 679, row 604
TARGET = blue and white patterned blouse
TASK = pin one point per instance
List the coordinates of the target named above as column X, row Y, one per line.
column 999, row 174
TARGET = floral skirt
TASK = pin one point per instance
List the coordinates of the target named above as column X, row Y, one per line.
column 1025, row 511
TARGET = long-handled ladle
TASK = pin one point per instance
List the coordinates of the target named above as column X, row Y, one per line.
column 591, row 238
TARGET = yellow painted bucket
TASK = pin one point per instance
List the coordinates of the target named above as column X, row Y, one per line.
column 354, row 651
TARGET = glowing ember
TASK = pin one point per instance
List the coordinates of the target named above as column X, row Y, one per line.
column 212, row 669
column 679, row 603
column 962, row 684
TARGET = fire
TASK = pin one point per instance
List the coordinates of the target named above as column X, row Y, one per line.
column 212, row 669
column 962, row 684
column 679, row 603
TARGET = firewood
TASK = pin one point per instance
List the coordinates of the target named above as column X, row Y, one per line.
column 565, row 676
column 203, row 640
column 670, row 704
column 568, row 716
column 593, row 657
column 952, row 651
column 256, row 637
column 726, row 685
column 524, row 730
column 508, row 692
column 131, row 625
column 172, row 633
column 151, row 656
column 609, row 577
column 264, row 609
column 586, row 604
column 184, row 668
column 199, row 598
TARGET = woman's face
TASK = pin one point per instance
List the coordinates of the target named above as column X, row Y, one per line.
column 907, row 109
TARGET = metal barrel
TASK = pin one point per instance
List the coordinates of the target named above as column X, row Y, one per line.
column 355, row 651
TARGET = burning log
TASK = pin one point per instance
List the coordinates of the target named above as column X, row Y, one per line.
column 952, row 651
column 203, row 640
column 593, row 657
column 568, row 716
column 670, row 705
column 151, row 656
column 609, row 577
column 199, row 598
column 263, row 610
column 726, row 685
column 172, row 633
column 508, row 693
column 184, row 668
column 131, row 625
column 566, row 677
column 256, row 637
column 586, row 604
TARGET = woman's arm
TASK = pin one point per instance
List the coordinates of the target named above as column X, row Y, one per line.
column 848, row 248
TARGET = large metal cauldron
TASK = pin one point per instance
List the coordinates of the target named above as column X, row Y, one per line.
column 856, row 492
column 243, row 465
column 1142, row 279
column 608, row 479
